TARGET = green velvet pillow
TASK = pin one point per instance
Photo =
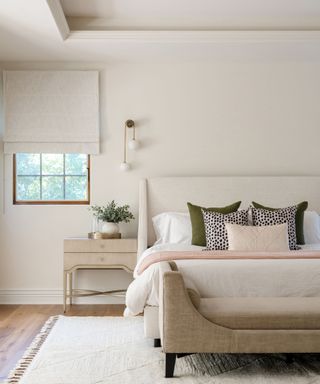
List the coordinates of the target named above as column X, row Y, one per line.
column 198, row 230
column 299, row 218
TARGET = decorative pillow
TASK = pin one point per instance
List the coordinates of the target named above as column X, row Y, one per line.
column 172, row 227
column 311, row 227
column 215, row 229
column 198, row 231
column 262, row 217
column 267, row 238
column 301, row 207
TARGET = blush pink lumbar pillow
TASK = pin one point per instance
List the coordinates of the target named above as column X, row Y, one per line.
column 264, row 238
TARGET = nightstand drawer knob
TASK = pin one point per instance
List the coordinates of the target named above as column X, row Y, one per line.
column 102, row 246
column 101, row 258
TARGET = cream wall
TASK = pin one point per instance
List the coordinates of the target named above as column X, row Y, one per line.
column 210, row 118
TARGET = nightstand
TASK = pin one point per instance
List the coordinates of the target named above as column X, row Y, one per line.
column 80, row 253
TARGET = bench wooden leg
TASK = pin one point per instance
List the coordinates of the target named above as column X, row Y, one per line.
column 170, row 363
column 289, row 358
column 157, row 343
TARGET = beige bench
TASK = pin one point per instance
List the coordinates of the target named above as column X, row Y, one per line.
column 190, row 324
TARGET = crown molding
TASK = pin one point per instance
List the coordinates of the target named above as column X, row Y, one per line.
column 197, row 36
column 178, row 36
column 59, row 18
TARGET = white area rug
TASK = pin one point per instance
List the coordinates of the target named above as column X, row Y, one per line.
column 92, row 350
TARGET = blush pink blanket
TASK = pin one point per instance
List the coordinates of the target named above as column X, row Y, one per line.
column 224, row 255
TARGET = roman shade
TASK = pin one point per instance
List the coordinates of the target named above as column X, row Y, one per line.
column 51, row 112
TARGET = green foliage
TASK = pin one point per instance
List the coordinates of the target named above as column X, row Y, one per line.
column 51, row 176
column 112, row 213
column 28, row 188
column 28, row 164
column 76, row 187
column 52, row 188
column 76, row 164
column 52, row 164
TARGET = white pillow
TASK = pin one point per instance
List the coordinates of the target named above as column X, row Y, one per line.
column 260, row 238
column 311, row 227
column 172, row 227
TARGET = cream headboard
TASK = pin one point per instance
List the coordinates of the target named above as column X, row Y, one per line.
column 172, row 193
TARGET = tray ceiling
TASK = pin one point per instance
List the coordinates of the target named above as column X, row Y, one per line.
column 159, row 30
column 192, row 14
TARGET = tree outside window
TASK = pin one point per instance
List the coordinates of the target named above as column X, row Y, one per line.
column 51, row 178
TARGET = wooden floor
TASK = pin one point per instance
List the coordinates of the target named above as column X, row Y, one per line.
column 19, row 324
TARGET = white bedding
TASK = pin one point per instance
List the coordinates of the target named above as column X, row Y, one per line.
column 228, row 278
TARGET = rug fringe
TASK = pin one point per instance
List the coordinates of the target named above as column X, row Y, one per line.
column 16, row 374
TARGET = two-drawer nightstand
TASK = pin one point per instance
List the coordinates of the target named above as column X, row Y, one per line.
column 95, row 254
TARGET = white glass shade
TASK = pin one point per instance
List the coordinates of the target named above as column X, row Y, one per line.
column 124, row 166
column 133, row 144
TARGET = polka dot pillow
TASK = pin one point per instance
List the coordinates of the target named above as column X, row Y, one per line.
column 287, row 215
column 216, row 233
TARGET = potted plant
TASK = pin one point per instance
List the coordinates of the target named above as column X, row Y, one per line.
column 110, row 215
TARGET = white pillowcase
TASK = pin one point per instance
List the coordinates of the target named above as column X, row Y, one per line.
column 175, row 227
column 311, row 227
column 259, row 238
column 172, row 227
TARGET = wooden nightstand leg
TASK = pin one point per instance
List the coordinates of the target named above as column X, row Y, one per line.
column 70, row 287
column 64, row 291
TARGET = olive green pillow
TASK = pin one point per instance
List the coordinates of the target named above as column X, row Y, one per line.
column 198, row 230
column 299, row 218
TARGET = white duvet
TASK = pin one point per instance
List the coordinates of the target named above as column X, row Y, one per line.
column 228, row 278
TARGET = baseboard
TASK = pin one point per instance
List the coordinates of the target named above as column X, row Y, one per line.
column 50, row 296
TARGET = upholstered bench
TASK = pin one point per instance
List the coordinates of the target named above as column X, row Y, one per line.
column 262, row 312
column 190, row 324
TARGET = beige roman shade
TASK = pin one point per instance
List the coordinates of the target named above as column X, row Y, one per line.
column 51, row 111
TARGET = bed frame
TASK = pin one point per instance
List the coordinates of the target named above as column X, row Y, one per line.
column 163, row 194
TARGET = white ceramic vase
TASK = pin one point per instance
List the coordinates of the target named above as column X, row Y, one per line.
column 110, row 228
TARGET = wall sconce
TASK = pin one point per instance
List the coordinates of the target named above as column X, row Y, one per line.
column 133, row 144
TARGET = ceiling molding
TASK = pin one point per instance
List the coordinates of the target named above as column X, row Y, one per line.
column 179, row 36
column 199, row 36
column 59, row 18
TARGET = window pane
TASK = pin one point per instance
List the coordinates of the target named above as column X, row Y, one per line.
column 51, row 177
column 28, row 188
column 28, row 164
column 76, row 164
column 76, row 188
column 52, row 164
column 52, row 188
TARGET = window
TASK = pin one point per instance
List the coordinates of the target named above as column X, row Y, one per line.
column 51, row 178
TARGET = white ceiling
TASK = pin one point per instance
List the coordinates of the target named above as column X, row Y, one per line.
column 28, row 31
column 198, row 14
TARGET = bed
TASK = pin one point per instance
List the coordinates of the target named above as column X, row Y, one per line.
column 221, row 278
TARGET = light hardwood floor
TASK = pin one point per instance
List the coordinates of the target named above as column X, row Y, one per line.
column 19, row 324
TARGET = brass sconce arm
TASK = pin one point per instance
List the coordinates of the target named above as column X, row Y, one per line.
column 133, row 144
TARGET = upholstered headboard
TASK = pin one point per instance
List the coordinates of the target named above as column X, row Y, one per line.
column 172, row 193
